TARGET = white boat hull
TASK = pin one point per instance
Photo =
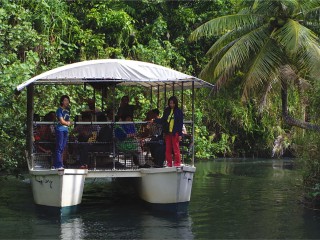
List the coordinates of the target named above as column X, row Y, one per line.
column 58, row 188
column 169, row 185
column 164, row 186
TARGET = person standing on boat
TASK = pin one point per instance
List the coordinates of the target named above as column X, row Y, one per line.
column 63, row 117
column 172, row 122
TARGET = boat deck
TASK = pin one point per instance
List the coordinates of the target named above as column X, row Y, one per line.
column 104, row 167
column 109, row 173
column 113, row 173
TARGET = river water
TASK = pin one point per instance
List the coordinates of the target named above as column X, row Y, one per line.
column 231, row 199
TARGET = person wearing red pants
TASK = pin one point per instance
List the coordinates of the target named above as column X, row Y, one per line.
column 172, row 122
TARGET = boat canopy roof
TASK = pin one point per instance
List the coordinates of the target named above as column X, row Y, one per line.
column 117, row 71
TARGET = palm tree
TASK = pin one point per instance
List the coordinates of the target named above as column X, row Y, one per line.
column 272, row 42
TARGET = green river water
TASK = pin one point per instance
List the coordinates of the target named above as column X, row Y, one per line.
column 231, row 199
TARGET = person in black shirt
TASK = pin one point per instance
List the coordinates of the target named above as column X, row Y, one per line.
column 156, row 144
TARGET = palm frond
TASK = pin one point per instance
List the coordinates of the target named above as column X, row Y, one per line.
column 264, row 67
column 274, row 7
column 312, row 19
column 308, row 14
column 226, row 39
column 294, row 37
column 221, row 25
column 229, row 37
column 245, row 10
column 208, row 70
column 309, row 6
column 241, row 51
column 301, row 46
column 308, row 60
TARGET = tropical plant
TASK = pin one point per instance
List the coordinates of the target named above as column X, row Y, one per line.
column 273, row 42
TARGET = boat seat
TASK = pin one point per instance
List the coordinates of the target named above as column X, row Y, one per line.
column 94, row 156
column 126, row 158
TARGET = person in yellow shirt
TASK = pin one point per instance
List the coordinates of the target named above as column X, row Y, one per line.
column 172, row 121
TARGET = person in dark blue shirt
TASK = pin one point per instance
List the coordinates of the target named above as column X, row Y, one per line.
column 61, row 130
column 128, row 142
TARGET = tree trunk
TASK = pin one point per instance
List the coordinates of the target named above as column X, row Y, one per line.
column 287, row 118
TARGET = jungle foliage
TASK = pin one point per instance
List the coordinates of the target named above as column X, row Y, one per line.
column 36, row 36
column 274, row 45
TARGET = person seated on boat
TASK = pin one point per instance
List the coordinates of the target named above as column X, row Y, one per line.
column 90, row 108
column 45, row 137
column 103, row 143
column 145, row 128
column 126, row 109
column 105, row 137
column 36, row 117
column 127, row 141
column 85, row 134
column 144, row 132
column 156, row 142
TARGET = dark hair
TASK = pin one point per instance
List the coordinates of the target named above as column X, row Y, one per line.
column 86, row 115
column 62, row 98
column 36, row 117
column 124, row 116
column 126, row 96
column 174, row 99
column 156, row 111
column 101, row 118
column 50, row 116
column 149, row 115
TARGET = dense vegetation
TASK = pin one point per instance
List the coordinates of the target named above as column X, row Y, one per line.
column 36, row 36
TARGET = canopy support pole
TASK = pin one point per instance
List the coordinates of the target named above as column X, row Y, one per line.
column 182, row 97
column 94, row 101
column 30, row 112
column 113, row 124
column 172, row 89
column 103, row 97
column 158, row 97
column 165, row 96
column 151, row 97
column 193, row 118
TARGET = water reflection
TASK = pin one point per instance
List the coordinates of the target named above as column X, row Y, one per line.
column 109, row 214
column 141, row 225
column 72, row 229
column 246, row 195
column 176, row 227
column 282, row 164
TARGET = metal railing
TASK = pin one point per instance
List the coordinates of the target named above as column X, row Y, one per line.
column 106, row 145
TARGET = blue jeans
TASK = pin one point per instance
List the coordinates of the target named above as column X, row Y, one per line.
column 61, row 142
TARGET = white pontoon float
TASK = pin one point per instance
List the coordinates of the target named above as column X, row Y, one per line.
column 64, row 188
